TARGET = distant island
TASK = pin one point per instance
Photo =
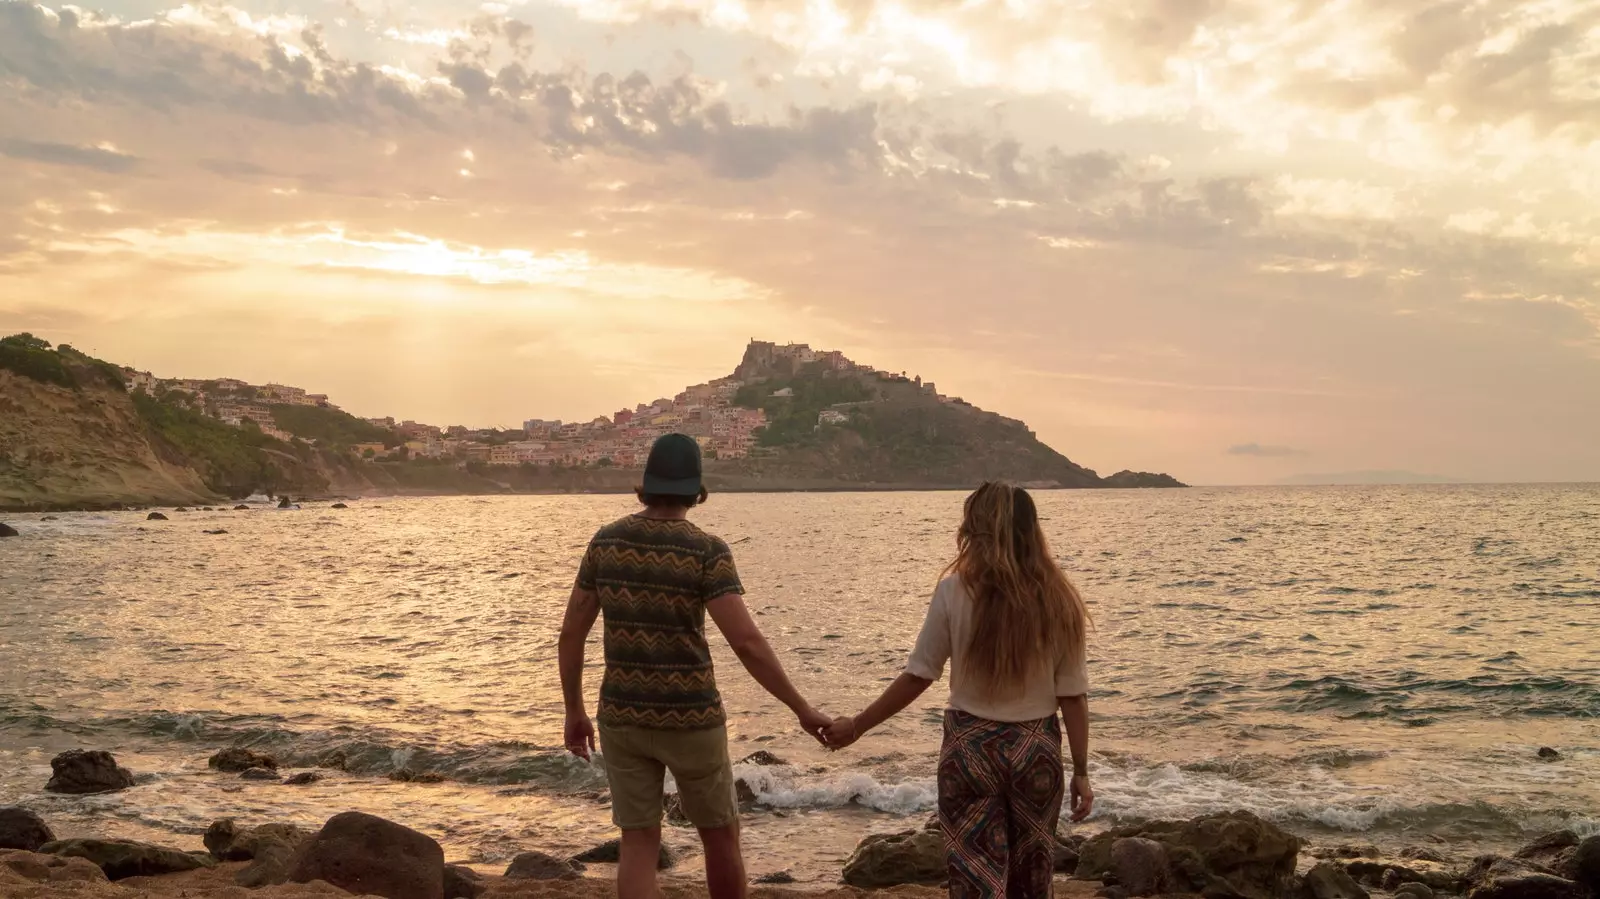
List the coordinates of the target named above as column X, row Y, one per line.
column 80, row 432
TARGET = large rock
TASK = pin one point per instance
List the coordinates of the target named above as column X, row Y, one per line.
column 1586, row 864
column 1557, row 851
column 17, row 866
column 539, row 866
column 887, row 860
column 1528, row 886
column 461, row 882
column 237, row 759
column 155, row 516
column 365, row 854
column 80, row 772
column 1327, row 880
column 762, row 758
column 1372, row 871
column 22, row 829
column 1234, row 854
column 121, row 859
column 228, row 842
column 1141, row 867
column 7, row 530
column 1066, row 861
column 610, row 852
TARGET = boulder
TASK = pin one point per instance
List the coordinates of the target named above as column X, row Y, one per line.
column 1327, row 880
column 1528, row 886
column 155, row 516
column 778, row 878
column 260, row 774
column 1141, row 867
column 1413, row 891
column 17, row 865
column 539, row 866
column 7, row 530
column 22, row 829
column 887, row 860
column 1549, row 754
column 181, row 509
column 1371, row 872
column 238, row 759
column 610, row 852
column 1557, row 851
column 272, row 865
column 121, row 859
column 1485, row 868
column 79, row 772
column 762, row 758
column 1586, row 864
column 227, row 842
column 339, row 506
column 1067, row 854
column 304, row 778
column 241, row 508
column 743, row 792
column 1230, row 854
column 365, row 854
column 461, row 882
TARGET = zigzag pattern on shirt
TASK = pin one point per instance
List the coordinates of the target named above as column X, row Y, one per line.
column 658, row 719
column 658, row 682
column 666, row 643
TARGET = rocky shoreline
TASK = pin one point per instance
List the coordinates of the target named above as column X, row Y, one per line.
column 1233, row 855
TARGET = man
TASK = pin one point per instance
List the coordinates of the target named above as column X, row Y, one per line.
column 654, row 576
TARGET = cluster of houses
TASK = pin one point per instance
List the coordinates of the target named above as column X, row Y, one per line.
column 705, row 411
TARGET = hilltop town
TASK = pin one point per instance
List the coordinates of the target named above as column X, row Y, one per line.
column 710, row 412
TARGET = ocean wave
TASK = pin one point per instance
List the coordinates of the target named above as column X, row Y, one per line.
column 1409, row 695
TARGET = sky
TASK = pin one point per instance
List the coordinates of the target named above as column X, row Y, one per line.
column 1233, row 240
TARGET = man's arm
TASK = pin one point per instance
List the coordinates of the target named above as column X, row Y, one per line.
column 583, row 607
column 732, row 617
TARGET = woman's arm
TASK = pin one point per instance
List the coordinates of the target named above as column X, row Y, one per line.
column 903, row 692
column 1075, row 714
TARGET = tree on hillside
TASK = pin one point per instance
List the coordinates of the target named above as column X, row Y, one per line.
column 24, row 341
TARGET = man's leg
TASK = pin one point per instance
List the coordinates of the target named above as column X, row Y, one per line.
column 636, row 874
column 725, row 876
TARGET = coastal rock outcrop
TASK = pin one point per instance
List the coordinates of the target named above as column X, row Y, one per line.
column 610, row 852
column 1373, row 872
column 365, row 854
column 1586, row 864
column 228, row 842
column 18, row 867
column 1557, row 851
column 22, row 829
column 1233, row 854
column 7, row 530
column 1528, row 886
column 540, row 866
column 887, row 860
column 121, row 859
column 461, row 882
column 1327, row 880
column 155, row 516
column 78, row 772
column 237, row 759
column 1141, row 867
column 304, row 778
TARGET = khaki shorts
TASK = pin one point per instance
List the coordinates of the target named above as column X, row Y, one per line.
column 637, row 760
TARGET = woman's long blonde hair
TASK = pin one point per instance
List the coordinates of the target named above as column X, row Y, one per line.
column 1026, row 612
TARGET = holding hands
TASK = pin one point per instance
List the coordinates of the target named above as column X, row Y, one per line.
column 840, row 733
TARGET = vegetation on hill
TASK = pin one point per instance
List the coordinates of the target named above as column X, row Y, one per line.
column 792, row 420
column 232, row 461
column 63, row 366
column 330, row 427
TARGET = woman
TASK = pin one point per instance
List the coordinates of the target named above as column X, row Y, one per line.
column 1013, row 628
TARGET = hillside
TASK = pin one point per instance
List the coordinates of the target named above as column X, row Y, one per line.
column 73, row 435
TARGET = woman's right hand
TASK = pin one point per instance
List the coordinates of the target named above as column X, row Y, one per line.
column 841, row 733
column 1082, row 797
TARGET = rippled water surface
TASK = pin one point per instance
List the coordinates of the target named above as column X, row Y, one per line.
column 1378, row 664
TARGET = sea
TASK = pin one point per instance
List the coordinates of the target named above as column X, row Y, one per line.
column 1367, row 665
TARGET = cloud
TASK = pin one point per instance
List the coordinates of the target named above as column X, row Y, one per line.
column 1264, row 451
column 98, row 158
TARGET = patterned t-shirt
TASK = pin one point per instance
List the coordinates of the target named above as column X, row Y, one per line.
column 654, row 577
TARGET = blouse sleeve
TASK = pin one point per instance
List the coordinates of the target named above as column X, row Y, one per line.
column 1072, row 674
column 933, row 644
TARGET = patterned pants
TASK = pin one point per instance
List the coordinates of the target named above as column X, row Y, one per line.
column 1000, row 792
